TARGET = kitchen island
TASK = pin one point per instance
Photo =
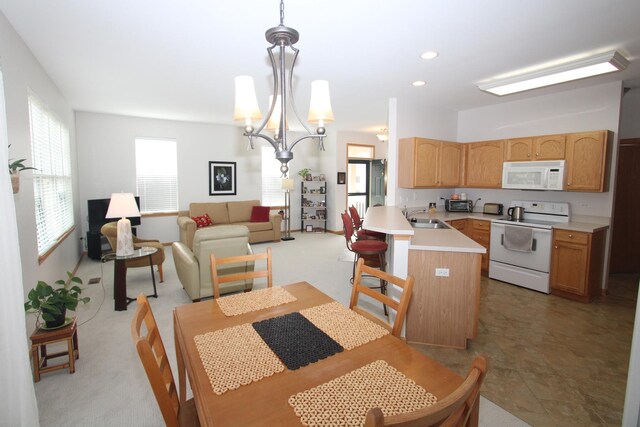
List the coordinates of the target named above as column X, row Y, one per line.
column 446, row 266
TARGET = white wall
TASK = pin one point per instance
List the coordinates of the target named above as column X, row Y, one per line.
column 106, row 154
column 23, row 72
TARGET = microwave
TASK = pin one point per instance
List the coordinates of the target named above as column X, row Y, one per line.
column 542, row 175
column 458, row 205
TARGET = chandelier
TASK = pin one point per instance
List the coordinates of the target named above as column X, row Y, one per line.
column 246, row 104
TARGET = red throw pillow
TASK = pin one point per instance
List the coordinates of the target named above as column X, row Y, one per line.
column 202, row 221
column 260, row 214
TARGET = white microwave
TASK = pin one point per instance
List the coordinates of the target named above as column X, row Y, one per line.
column 542, row 175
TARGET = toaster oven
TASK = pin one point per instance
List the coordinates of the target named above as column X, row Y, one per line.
column 458, row 205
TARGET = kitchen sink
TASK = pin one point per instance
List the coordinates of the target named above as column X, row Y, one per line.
column 428, row 223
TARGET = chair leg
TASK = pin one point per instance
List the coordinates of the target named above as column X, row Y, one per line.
column 160, row 273
column 383, row 283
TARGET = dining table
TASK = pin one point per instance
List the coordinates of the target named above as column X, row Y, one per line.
column 267, row 400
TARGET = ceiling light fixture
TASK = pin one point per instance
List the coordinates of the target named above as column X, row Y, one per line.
column 383, row 135
column 429, row 55
column 246, row 105
column 419, row 83
column 587, row 67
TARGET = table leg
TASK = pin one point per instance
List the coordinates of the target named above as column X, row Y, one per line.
column 182, row 386
column 36, row 363
column 120, row 284
column 153, row 278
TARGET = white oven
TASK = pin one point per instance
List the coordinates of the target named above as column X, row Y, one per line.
column 520, row 251
column 539, row 175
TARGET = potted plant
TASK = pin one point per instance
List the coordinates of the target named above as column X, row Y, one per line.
column 15, row 166
column 304, row 173
column 52, row 303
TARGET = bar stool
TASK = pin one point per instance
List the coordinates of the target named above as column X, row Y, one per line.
column 40, row 338
column 372, row 251
column 360, row 232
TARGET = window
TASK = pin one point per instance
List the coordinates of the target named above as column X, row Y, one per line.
column 52, row 182
column 157, row 174
column 272, row 192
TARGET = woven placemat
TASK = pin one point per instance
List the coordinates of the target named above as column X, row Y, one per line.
column 235, row 356
column 347, row 327
column 295, row 340
column 260, row 299
column 345, row 401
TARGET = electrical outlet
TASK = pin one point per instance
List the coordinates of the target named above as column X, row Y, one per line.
column 442, row 272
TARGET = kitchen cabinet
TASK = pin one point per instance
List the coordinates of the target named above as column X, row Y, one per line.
column 460, row 225
column 428, row 163
column 483, row 164
column 586, row 155
column 480, row 232
column 548, row 147
column 577, row 263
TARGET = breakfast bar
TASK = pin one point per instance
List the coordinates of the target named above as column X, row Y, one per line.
column 446, row 266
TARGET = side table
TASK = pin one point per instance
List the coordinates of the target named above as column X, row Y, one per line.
column 41, row 337
column 120, row 275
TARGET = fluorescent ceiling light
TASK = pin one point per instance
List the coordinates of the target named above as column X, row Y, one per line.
column 592, row 66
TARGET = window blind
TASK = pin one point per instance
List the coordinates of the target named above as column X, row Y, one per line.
column 272, row 192
column 157, row 174
column 52, row 181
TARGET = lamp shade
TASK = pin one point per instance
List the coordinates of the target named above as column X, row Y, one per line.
column 320, row 106
column 288, row 184
column 122, row 205
column 246, row 102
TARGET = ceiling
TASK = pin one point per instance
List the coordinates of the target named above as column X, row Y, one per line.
column 177, row 59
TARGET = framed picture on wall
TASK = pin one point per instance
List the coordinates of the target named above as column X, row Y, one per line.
column 342, row 177
column 222, row 178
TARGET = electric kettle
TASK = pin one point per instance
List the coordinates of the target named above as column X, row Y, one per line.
column 516, row 213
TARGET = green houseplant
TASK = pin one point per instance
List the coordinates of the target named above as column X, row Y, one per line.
column 52, row 303
column 15, row 166
column 304, row 173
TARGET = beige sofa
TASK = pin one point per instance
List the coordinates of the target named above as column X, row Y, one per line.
column 226, row 213
column 194, row 266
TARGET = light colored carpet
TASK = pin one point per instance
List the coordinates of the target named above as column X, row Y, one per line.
column 110, row 388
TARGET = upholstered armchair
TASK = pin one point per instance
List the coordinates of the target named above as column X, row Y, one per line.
column 110, row 231
column 194, row 266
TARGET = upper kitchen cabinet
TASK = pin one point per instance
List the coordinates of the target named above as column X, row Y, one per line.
column 548, row 147
column 586, row 155
column 483, row 164
column 425, row 163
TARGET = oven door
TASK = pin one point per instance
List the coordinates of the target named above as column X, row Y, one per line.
column 538, row 259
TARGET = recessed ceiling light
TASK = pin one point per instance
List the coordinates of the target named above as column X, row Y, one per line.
column 588, row 67
column 429, row 55
column 419, row 83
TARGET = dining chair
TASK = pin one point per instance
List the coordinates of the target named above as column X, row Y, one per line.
column 452, row 410
column 361, row 233
column 400, row 307
column 371, row 250
column 156, row 364
column 217, row 279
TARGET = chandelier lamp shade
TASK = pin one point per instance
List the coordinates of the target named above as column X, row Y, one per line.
column 281, row 103
column 575, row 70
column 123, row 205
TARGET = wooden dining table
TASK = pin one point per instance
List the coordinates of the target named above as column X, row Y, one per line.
column 265, row 402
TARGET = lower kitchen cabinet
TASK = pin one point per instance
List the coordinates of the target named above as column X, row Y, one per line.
column 480, row 232
column 460, row 224
column 577, row 263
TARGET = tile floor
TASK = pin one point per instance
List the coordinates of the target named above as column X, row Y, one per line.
column 553, row 362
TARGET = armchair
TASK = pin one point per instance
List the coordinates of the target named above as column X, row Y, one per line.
column 194, row 267
column 110, row 231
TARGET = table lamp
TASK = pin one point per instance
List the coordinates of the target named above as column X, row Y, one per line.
column 287, row 184
column 123, row 205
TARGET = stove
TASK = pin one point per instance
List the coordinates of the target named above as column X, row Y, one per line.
column 520, row 251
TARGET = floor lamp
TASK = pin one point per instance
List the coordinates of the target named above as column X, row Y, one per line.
column 287, row 185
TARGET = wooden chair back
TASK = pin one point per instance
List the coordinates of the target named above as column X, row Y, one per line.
column 453, row 410
column 400, row 307
column 154, row 359
column 218, row 279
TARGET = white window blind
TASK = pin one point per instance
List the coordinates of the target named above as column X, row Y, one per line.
column 272, row 192
column 52, row 182
column 157, row 174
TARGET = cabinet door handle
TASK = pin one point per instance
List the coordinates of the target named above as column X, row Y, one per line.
column 571, row 236
column 555, row 247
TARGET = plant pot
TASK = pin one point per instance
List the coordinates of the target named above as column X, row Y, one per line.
column 58, row 319
column 15, row 182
